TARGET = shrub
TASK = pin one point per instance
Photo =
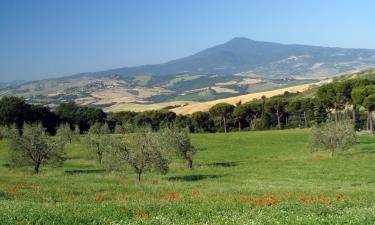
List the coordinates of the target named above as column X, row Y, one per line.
column 332, row 136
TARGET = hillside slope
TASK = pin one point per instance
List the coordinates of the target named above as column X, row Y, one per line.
column 205, row 106
column 264, row 59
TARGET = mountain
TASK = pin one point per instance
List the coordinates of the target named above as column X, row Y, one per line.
column 237, row 67
column 264, row 59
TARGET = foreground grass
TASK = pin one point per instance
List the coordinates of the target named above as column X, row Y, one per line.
column 239, row 178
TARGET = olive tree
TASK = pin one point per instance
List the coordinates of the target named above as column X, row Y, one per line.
column 143, row 152
column 76, row 131
column 332, row 136
column 4, row 132
column 97, row 140
column 179, row 141
column 34, row 147
column 65, row 132
column 119, row 129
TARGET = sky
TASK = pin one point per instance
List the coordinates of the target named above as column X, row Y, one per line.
column 45, row 39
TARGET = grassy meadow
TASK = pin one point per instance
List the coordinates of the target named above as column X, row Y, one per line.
column 265, row 177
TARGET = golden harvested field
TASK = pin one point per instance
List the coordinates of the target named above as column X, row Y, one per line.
column 137, row 107
column 205, row 106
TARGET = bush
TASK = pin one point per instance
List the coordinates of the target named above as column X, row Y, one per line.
column 332, row 137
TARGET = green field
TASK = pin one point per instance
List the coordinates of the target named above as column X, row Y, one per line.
column 239, row 178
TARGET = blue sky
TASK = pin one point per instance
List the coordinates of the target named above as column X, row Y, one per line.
column 43, row 39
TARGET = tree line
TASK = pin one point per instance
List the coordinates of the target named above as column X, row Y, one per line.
column 352, row 98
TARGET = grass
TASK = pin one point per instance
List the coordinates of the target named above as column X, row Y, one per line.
column 181, row 78
column 264, row 177
column 142, row 80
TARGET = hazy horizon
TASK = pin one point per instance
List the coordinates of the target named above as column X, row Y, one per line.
column 52, row 39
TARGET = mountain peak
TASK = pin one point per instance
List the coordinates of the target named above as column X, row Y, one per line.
column 240, row 40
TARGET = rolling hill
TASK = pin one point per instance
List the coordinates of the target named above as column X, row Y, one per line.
column 238, row 67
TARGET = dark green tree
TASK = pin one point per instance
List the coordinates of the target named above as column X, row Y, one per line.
column 363, row 96
column 223, row 112
column 201, row 121
column 240, row 114
column 277, row 107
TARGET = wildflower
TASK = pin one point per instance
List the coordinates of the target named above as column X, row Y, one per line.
column 322, row 198
column 24, row 185
column 172, row 196
column 99, row 197
column 268, row 203
column 124, row 208
column 340, row 197
column 11, row 191
column 126, row 198
column 306, row 201
column 141, row 214
column 195, row 193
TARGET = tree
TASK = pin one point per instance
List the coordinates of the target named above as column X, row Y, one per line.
column 364, row 96
column 14, row 110
column 154, row 118
column 183, row 122
column 86, row 117
column 344, row 92
column 83, row 116
column 240, row 114
column 143, row 153
column 265, row 118
column 301, row 107
column 65, row 133
column 369, row 104
column 76, row 131
column 201, row 121
column 332, row 136
column 67, row 111
column 4, row 132
column 119, row 129
column 179, row 141
column 35, row 147
column 254, row 110
column 277, row 106
column 43, row 115
column 97, row 140
column 222, row 111
column 328, row 95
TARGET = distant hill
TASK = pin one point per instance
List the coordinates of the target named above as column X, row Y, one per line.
column 237, row 67
column 265, row 59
